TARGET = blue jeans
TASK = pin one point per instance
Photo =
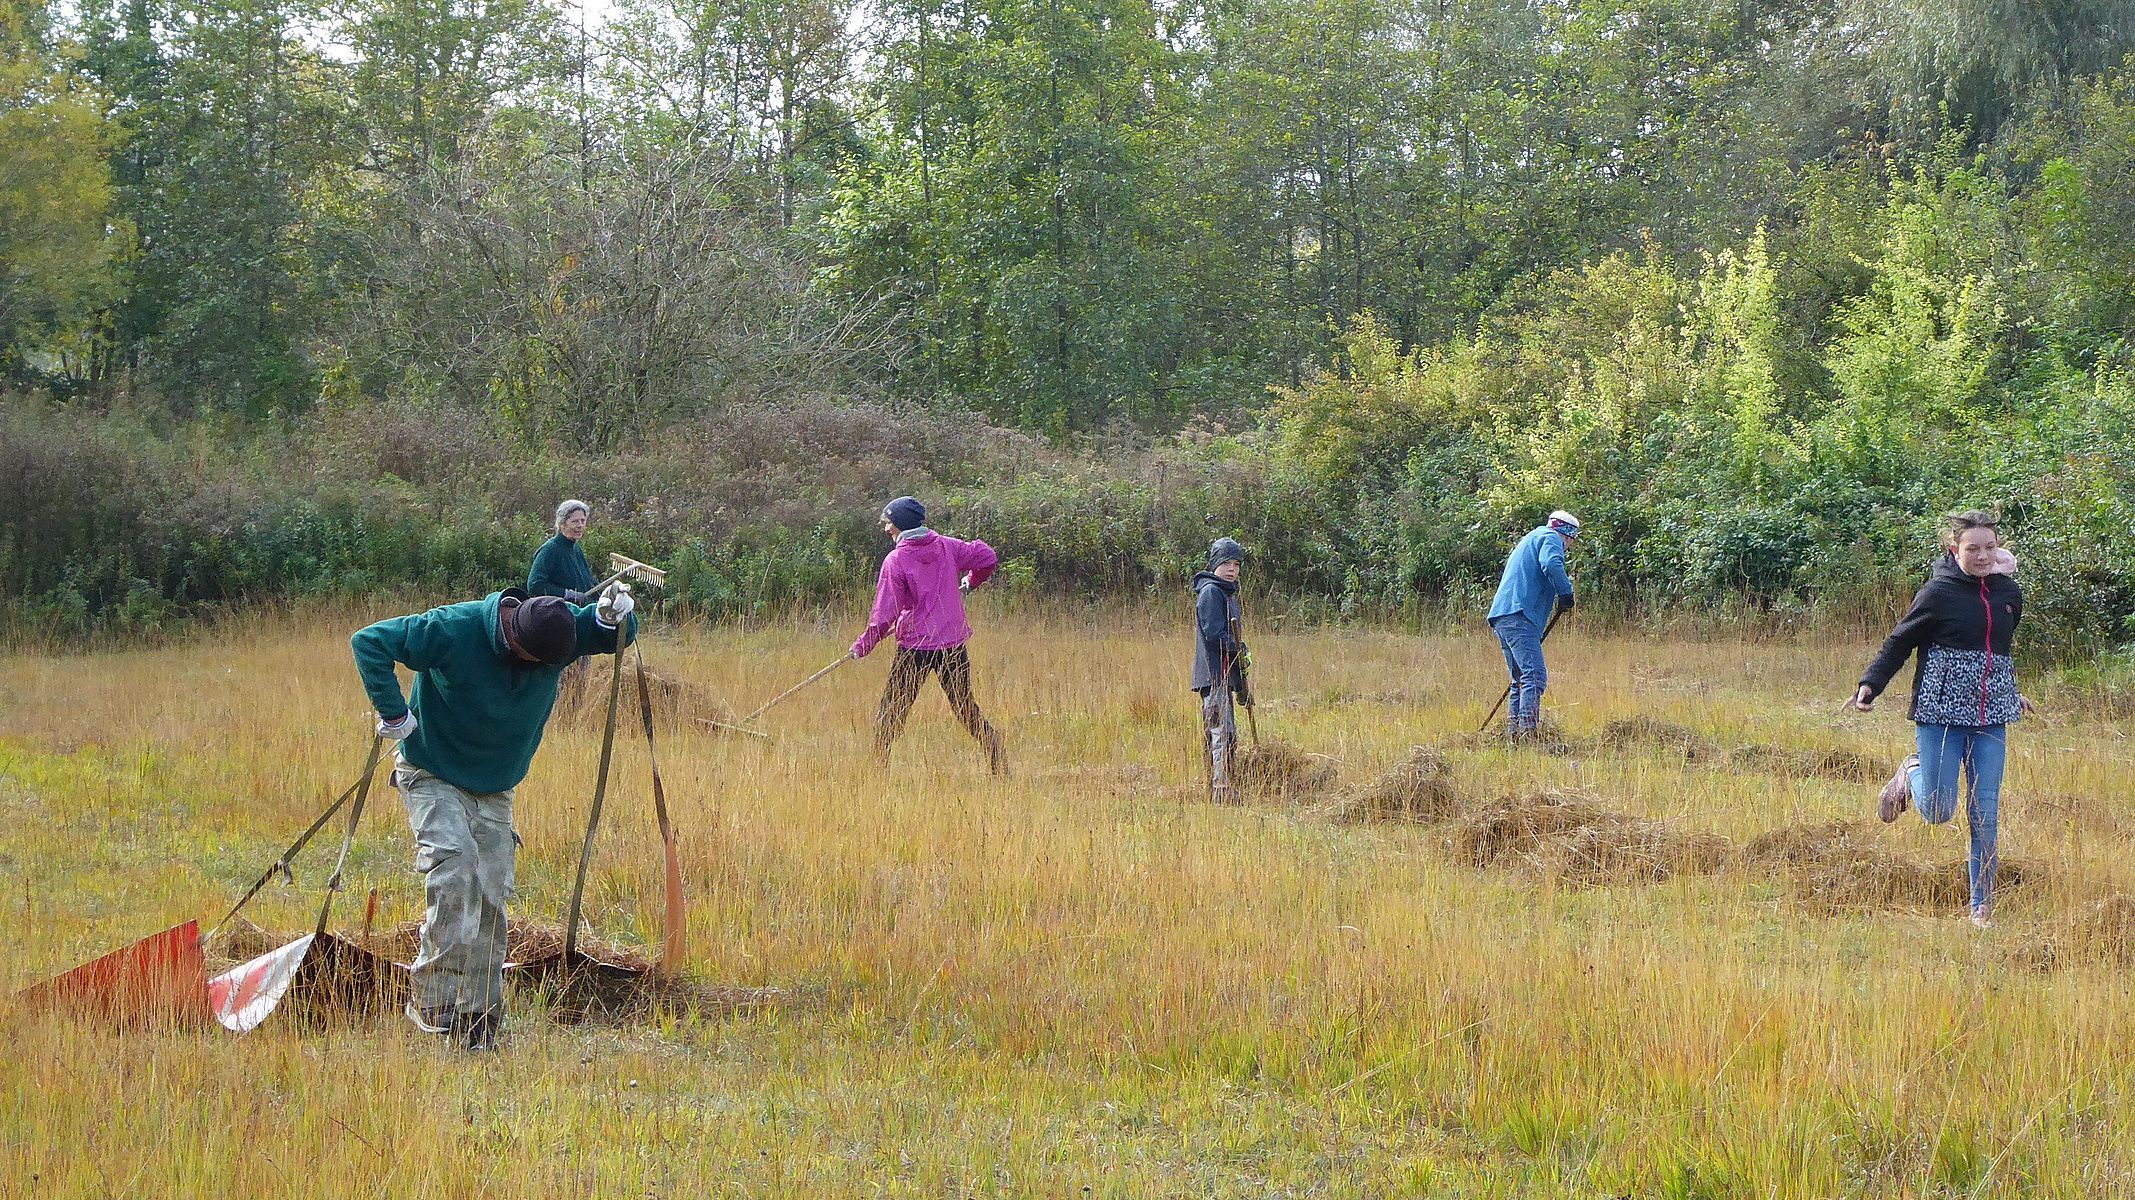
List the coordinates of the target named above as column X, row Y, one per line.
column 1522, row 643
column 1982, row 752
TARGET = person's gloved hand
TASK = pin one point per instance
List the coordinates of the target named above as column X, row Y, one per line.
column 1566, row 601
column 963, row 583
column 397, row 730
column 615, row 604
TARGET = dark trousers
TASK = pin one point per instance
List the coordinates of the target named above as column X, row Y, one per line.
column 908, row 673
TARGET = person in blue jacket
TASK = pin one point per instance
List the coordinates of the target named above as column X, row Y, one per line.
column 1534, row 582
column 1219, row 660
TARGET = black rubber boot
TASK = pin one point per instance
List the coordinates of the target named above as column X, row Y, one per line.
column 479, row 1033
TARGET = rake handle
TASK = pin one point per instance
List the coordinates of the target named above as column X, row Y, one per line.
column 779, row 699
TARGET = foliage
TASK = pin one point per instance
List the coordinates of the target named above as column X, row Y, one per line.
column 1759, row 290
column 62, row 241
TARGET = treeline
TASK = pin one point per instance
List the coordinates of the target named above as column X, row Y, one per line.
column 305, row 297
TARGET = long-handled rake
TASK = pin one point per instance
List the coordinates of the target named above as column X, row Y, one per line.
column 741, row 726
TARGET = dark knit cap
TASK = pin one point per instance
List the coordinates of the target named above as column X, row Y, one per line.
column 905, row 513
column 547, row 629
column 1225, row 550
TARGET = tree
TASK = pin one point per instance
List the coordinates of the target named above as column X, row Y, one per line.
column 62, row 241
column 593, row 305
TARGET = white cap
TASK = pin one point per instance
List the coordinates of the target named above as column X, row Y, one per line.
column 1564, row 521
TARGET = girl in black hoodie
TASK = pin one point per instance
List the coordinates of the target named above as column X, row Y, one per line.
column 1961, row 627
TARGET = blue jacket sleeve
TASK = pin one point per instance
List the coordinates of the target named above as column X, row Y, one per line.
column 1552, row 554
column 1214, row 617
column 411, row 641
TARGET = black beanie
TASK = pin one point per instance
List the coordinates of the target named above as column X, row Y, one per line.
column 905, row 513
column 547, row 629
column 1225, row 550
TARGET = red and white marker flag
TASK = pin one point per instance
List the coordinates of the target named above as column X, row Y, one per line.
column 244, row 995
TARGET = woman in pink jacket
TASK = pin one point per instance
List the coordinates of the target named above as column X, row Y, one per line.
column 920, row 595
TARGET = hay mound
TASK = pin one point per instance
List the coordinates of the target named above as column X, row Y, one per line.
column 1827, row 763
column 1274, row 771
column 524, row 941
column 2086, row 813
column 1839, row 867
column 608, row 982
column 1647, row 731
column 239, row 941
column 583, row 699
column 1550, row 738
column 2102, row 932
column 1568, row 836
column 1419, row 789
column 1822, row 762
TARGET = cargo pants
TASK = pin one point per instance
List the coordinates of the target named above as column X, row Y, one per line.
column 1219, row 719
column 464, row 850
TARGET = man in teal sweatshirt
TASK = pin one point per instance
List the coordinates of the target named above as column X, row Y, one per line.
column 485, row 680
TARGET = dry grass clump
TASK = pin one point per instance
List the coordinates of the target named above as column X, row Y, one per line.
column 1275, row 771
column 2082, row 812
column 583, row 699
column 1824, row 763
column 1648, row 731
column 524, row 941
column 1838, row 866
column 1420, row 788
column 1569, row 836
column 2103, row 931
column 605, row 982
column 1797, row 761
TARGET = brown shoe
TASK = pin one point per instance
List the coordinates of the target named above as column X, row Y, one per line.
column 1898, row 793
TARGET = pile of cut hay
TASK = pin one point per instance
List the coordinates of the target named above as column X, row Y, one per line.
column 1628, row 732
column 585, row 701
column 1274, row 771
column 2103, row 932
column 1797, row 761
column 1418, row 789
column 2081, row 812
column 524, row 941
column 1569, row 837
column 607, row 982
column 1549, row 737
column 1838, row 866
column 1808, row 761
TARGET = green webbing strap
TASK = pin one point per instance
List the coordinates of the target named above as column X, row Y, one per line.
column 281, row 865
column 355, row 817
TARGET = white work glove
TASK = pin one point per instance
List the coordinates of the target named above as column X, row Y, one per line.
column 397, row 730
column 963, row 583
column 615, row 604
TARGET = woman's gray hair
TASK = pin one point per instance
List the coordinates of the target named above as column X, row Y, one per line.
column 565, row 509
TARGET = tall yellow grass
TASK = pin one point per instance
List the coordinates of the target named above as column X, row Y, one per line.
column 1084, row 980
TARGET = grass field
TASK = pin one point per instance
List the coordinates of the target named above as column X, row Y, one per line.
column 1086, row 981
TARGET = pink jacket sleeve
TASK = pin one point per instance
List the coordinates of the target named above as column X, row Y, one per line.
column 889, row 605
column 978, row 559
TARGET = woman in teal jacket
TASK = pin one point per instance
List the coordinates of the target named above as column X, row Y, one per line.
column 560, row 565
